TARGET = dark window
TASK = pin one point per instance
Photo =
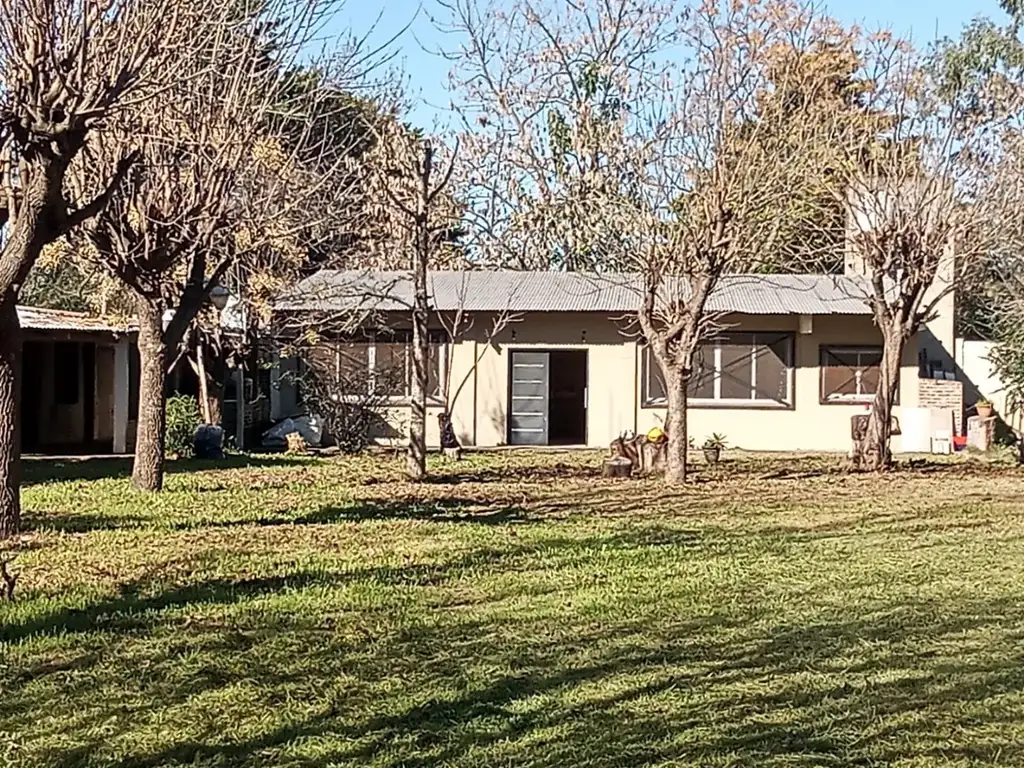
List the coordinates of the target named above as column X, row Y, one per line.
column 850, row 374
column 354, row 367
column 702, row 380
column 66, row 373
column 134, row 373
column 383, row 364
column 733, row 368
column 653, row 382
column 391, row 370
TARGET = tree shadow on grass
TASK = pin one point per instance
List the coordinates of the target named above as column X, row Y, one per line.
column 78, row 522
column 707, row 691
column 139, row 603
column 513, row 473
column 37, row 471
column 455, row 509
column 440, row 510
column 444, row 510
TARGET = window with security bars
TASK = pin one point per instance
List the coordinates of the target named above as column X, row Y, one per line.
column 380, row 364
column 732, row 369
column 850, row 374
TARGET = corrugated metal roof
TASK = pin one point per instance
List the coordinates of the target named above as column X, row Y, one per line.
column 39, row 319
column 480, row 291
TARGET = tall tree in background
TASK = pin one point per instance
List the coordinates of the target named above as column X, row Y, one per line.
column 66, row 66
column 544, row 91
column 817, row 83
column 982, row 73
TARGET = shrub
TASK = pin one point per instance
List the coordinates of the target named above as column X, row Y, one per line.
column 182, row 420
column 351, row 407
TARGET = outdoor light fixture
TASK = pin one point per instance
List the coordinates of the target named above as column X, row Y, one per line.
column 219, row 297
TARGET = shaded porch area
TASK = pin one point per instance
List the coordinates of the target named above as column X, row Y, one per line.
column 79, row 385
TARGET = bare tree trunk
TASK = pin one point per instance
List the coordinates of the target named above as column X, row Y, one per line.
column 675, row 426
column 417, row 456
column 417, row 459
column 876, row 450
column 204, row 385
column 24, row 242
column 215, row 402
column 148, row 471
column 10, row 416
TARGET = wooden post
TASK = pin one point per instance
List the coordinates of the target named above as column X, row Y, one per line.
column 122, row 394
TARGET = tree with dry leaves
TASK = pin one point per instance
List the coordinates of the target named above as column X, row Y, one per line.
column 414, row 188
column 924, row 215
column 216, row 182
column 66, row 67
column 641, row 137
column 544, row 93
column 983, row 72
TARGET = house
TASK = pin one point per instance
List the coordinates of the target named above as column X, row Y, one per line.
column 796, row 358
column 79, row 391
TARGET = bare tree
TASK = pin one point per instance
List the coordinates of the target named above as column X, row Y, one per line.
column 631, row 136
column 66, row 66
column 921, row 207
column 544, row 90
column 462, row 323
column 218, row 181
column 416, row 195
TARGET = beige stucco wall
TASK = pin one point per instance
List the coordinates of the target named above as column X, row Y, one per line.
column 611, row 364
column 809, row 425
column 614, row 381
column 479, row 373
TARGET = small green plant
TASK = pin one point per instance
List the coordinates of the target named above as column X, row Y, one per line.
column 983, row 403
column 715, row 442
column 182, row 420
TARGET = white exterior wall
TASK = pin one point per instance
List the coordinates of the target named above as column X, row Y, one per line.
column 980, row 378
column 480, row 384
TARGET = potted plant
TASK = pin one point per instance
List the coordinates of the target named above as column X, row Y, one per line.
column 713, row 447
column 984, row 408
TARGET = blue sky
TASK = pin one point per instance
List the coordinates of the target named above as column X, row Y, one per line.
column 919, row 19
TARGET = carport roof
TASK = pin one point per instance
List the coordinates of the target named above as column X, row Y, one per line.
column 40, row 319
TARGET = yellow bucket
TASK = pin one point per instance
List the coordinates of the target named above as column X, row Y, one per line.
column 655, row 435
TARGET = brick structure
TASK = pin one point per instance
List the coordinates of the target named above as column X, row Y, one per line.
column 948, row 395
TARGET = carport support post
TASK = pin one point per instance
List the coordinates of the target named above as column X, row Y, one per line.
column 122, row 389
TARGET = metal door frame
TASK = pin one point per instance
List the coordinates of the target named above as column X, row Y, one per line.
column 586, row 392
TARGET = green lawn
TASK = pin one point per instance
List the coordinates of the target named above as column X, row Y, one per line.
column 518, row 611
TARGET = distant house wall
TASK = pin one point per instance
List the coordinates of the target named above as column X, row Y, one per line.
column 809, row 425
column 611, row 363
column 979, row 375
column 480, row 383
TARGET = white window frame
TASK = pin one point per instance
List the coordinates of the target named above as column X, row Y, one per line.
column 443, row 349
column 718, row 401
column 860, row 397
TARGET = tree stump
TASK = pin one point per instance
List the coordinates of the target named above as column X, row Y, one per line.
column 617, row 466
column 653, row 456
column 296, row 443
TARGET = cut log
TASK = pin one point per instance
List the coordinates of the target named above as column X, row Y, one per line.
column 617, row 466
